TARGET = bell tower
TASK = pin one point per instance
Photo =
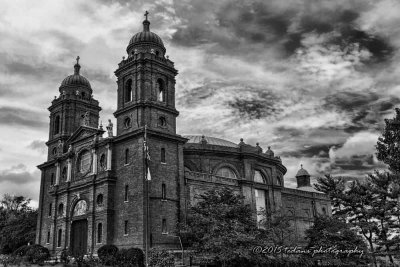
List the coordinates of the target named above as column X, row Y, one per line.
column 146, row 114
column 75, row 106
column 146, row 85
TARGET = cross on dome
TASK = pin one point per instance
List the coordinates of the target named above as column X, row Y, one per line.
column 77, row 59
column 146, row 14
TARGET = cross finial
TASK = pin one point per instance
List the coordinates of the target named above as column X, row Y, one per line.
column 77, row 59
column 146, row 14
column 301, row 165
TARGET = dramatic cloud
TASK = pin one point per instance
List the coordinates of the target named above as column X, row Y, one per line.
column 313, row 79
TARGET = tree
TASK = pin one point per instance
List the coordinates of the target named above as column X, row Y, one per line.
column 17, row 223
column 222, row 229
column 388, row 146
column 330, row 232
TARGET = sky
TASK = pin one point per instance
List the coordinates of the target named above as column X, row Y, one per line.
column 313, row 79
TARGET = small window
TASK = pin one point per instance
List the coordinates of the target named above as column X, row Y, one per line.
column 99, row 233
column 226, row 172
column 128, row 91
column 52, row 179
column 126, row 193
column 59, row 238
column 164, row 226
column 157, row 53
column 126, row 156
column 103, row 162
column 126, row 228
column 50, row 209
column 258, row 177
column 64, row 174
column 163, row 191
column 57, row 125
column 162, row 122
column 83, row 94
column 160, row 90
column 54, row 151
column 99, row 200
column 61, row 209
column 163, row 155
column 127, row 122
column 84, row 161
column 48, row 237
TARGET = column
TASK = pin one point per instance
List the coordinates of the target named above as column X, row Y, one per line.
column 69, row 170
column 57, row 173
column 94, row 163
column 109, row 154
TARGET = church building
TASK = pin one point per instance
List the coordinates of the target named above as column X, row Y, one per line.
column 132, row 185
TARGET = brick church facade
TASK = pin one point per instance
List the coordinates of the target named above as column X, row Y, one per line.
column 93, row 188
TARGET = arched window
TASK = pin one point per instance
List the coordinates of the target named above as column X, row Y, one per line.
column 50, row 209
column 163, row 155
column 260, row 205
column 99, row 233
column 57, row 125
column 48, row 237
column 323, row 210
column 103, row 162
column 84, row 161
column 258, row 177
column 64, row 174
column 226, row 172
column 127, row 122
column 162, row 121
column 126, row 192
column 126, row 156
column 128, row 91
column 164, row 226
column 52, row 179
column 61, row 209
column 99, row 200
column 163, row 191
column 59, row 237
column 160, row 90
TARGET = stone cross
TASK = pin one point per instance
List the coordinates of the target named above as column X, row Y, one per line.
column 146, row 14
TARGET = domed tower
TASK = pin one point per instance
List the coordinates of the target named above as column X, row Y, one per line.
column 303, row 178
column 146, row 85
column 146, row 111
column 74, row 107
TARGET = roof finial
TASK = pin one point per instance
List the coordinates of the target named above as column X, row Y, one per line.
column 146, row 23
column 77, row 67
column 301, row 165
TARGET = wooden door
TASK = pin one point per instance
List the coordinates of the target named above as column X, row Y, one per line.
column 79, row 238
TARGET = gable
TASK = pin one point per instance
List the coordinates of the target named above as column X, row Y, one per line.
column 83, row 132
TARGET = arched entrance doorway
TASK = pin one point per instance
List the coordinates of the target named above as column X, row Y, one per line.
column 79, row 229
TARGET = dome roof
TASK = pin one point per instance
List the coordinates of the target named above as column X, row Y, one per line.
column 197, row 139
column 302, row 172
column 145, row 37
column 76, row 79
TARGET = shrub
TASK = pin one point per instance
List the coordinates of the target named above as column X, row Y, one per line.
column 37, row 254
column 160, row 258
column 21, row 251
column 108, row 254
column 130, row 257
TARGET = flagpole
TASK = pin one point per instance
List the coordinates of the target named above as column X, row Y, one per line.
column 145, row 149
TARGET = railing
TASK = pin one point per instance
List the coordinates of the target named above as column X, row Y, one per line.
column 210, row 178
